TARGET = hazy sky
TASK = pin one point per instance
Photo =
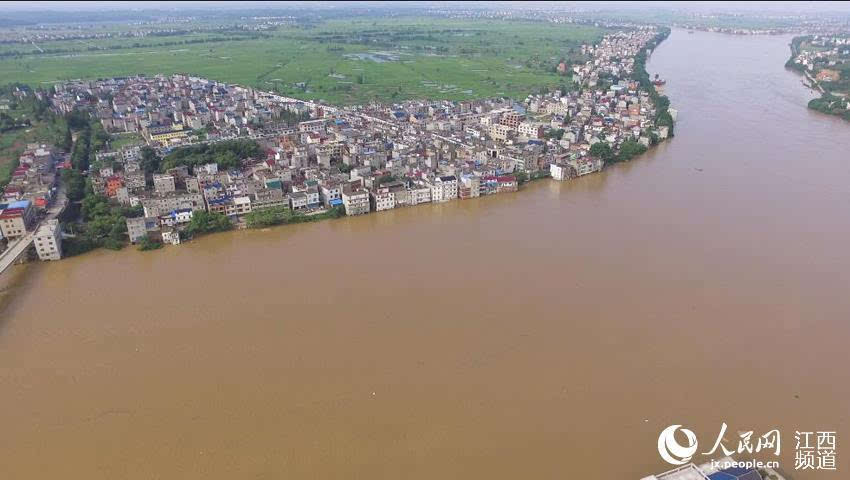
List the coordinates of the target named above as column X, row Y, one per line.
column 769, row 7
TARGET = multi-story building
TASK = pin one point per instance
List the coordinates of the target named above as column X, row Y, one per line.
column 135, row 181
column 559, row 172
column 48, row 241
column 330, row 195
column 529, row 130
column 585, row 165
column 499, row 131
column 268, row 198
column 164, row 134
column 298, row 200
column 138, row 228
column 382, row 199
column 444, row 188
column 418, row 194
column 158, row 205
column 177, row 217
column 511, row 119
column 356, row 201
column 163, row 183
column 16, row 219
column 470, row 187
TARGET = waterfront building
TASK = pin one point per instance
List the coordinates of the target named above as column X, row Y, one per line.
column 139, row 227
column 444, row 188
column 559, row 172
column 382, row 199
column 356, row 202
column 48, row 241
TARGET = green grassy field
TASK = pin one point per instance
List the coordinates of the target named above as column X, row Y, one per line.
column 430, row 58
column 120, row 141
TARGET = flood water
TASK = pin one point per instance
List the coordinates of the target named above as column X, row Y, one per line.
column 551, row 333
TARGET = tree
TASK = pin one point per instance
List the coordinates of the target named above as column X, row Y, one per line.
column 68, row 141
column 555, row 133
column 150, row 160
column 147, row 244
column 229, row 154
column 628, row 150
column 207, row 222
column 521, row 177
column 75, row 184
column 385, row 179
column 77, row 119
column 602, row 150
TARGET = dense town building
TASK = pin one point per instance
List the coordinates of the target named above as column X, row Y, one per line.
column 365, row 158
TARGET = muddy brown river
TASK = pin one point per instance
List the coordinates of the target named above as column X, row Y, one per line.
column 551, row 333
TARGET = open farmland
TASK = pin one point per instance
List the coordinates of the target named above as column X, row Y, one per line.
column 351, row 61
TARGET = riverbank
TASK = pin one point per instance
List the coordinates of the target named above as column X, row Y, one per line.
column 464, row 339
column 366, row 159
column 834, row 99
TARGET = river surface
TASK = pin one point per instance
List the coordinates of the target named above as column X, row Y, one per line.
column 551, row 333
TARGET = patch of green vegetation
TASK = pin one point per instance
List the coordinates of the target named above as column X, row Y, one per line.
column 832, row 105
column 101, row 225
column 662, row 103
column 629, row 149
column 336, row 60
column 119, row 141
column 227, row 155
column 283, row 216
column 146, row 244
column 207, row 222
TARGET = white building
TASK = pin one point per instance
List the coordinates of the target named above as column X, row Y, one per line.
column 329, row 193
column 48, row 241
column 176, row 217
column 444, row 189
column 499, row 131
column 382, row 199
column 419, row 194
column 559, row 172
column 528, row 129
column 583, row 166
column 297, row 200
column 355, row 202
column 170, row 236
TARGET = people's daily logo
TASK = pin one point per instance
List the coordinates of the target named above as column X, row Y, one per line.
column 814, row 450
column 671, row 450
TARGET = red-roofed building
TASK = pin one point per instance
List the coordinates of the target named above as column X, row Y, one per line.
column 11, row 193
column 14, row 222
column 113, row 183
column 507, row 183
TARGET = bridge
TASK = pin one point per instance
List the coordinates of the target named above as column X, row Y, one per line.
column 9, row 256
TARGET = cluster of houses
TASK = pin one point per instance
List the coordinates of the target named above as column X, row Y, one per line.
column 823, row 56
column 169, row 110
column 365, row 158
column 36, row 177
column 31, row 190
